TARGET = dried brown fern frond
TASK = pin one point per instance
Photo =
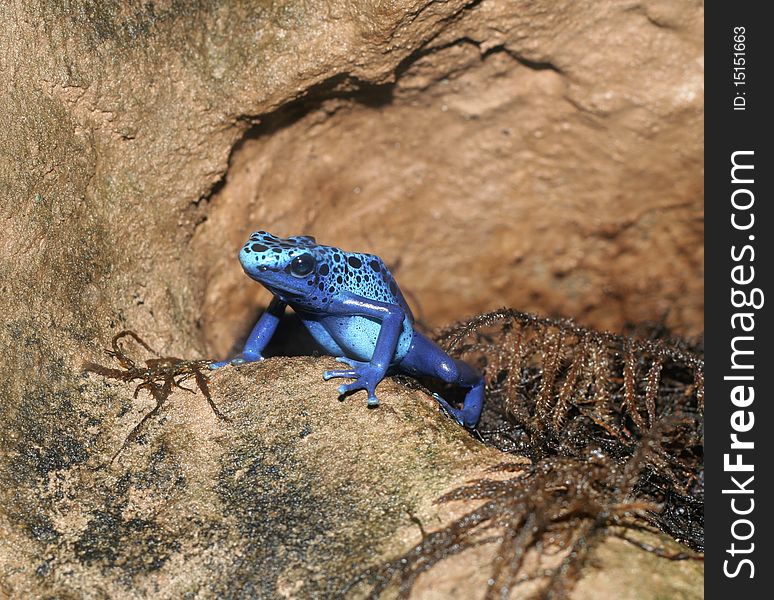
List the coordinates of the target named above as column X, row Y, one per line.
column 159, row 375
column 582, row 499
column 613, row 426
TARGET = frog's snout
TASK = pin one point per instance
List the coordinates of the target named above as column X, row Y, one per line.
column 246, row 257
column 250, row 260
column 254, row 260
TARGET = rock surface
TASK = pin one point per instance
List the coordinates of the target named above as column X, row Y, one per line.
column 504, row 164
column 542, row 155
column 289, row 498
column 292, row 497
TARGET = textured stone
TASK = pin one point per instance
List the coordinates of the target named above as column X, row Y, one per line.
column 538, row 154
column 531, row 157
column 297, row 492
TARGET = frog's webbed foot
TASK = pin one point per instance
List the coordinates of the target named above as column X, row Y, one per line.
column 345, row 373
column 454, row 413
column 426, row 358
column 239, row 359
column 366, row 377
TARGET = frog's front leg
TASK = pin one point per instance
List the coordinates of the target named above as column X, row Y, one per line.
column 426, row 358
column 259, row 337
column 367, row 375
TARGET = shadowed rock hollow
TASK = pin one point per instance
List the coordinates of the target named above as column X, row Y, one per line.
column 540, row 155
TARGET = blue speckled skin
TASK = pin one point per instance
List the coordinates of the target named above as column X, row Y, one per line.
column 353, row 308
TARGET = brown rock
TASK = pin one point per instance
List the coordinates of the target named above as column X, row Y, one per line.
column 506, row 165
column 292, row 497
column 543, row 156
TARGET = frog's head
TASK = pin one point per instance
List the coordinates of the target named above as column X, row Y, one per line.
column 287, row 267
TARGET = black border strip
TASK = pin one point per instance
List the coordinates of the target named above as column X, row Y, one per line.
column 730, row 129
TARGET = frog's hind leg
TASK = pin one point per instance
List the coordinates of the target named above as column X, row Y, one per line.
column 426, row 358
column 465, row 376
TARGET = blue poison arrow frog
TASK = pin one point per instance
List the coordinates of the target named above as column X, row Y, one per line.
column 353, row 308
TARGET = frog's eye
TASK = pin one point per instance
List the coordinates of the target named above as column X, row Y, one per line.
column 302, row 265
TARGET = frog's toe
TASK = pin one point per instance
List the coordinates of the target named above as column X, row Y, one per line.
column 332, row 374
column 350, row 361
column 346, row 388
column 454, row 413
column 239, row 359
column 366, row 378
